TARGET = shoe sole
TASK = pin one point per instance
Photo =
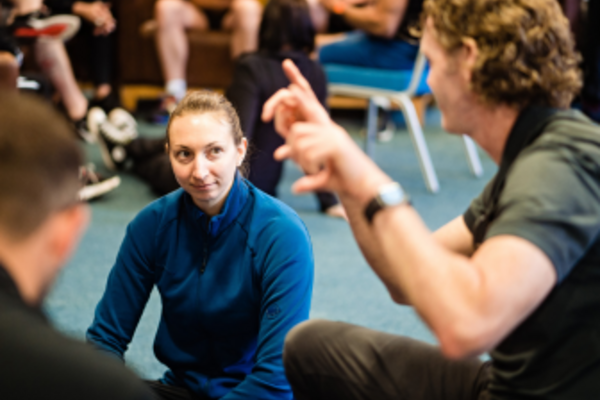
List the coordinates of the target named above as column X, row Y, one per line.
column 95, row 190
column 62, row 27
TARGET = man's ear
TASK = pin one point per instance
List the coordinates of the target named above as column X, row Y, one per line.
column 469, row 55
column 66, row 229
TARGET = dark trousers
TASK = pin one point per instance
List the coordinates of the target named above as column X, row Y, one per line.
column 151, row 163
column 168, row 392
column 591, row 55
column 334, row 360
column 265, row 172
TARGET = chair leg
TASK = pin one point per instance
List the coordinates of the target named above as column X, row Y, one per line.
column 472, row 156
column 371, row 128
column 416, row 134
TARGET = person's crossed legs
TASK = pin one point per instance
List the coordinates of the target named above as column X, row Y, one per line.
column 175, row 16
column 336, row 360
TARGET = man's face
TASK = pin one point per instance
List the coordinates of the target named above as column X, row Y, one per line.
column 449, row 79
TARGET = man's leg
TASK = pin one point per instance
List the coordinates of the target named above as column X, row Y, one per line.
column 334, row 360
column 173, row 18
column 243, row 20
column 9, row 71
column 167, row 392
column 54, row 61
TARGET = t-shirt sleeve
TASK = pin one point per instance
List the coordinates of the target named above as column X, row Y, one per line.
column 477, row 207
column 551, row 199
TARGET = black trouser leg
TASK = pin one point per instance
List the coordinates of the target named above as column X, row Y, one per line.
column 591, row 55
column 168, row 392
column 151, row 163
column 334, row 360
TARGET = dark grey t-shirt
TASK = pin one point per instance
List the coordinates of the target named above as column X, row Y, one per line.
column 551, row 197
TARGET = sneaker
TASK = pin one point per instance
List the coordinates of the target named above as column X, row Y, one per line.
column 82, row 131
column 125, row 122
column 35, row 25
column 110, row 138
column 95, row 185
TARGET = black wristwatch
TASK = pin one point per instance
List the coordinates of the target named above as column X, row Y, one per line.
column 388, row 195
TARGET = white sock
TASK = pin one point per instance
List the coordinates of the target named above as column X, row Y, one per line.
column 177, row 88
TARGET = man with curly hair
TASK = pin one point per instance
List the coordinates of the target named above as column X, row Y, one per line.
column 517, row 275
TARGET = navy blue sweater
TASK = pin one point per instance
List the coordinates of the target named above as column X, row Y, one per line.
column 231, row 286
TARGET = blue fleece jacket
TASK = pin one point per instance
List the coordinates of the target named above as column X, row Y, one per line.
column 231, row 286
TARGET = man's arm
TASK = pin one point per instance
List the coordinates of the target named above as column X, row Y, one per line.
column 469, row 303
column 380, row 19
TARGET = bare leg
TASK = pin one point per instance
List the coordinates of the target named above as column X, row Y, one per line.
column 173, row 18
column 244, row 21
column 54, row 61
column 23, row 7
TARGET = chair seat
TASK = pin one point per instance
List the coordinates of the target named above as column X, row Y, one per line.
column 374, row 78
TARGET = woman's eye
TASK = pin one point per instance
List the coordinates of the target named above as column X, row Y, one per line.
column 183, row 154
column 216, row 150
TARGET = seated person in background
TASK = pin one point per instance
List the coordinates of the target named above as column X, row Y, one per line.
column 384, row 40
column 41, row 222
column 233, row 267
column 241, row 17
column 286, row 31
column 98, row 27
column 518, row 275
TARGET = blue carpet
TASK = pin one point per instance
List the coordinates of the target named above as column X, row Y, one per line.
column 345, row 287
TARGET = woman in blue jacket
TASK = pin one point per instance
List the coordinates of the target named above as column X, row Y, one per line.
column 233, row 267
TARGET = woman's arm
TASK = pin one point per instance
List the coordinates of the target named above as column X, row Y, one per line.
column 285, row 257
column 127, row 290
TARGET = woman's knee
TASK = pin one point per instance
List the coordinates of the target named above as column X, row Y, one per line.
column 246, row 13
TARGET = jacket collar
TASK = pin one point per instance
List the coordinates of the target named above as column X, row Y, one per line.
column 529, row 125
column 236, row 199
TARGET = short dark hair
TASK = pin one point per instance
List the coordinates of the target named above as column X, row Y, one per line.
column 286, row 22
column 39, row 164
column 526, row 50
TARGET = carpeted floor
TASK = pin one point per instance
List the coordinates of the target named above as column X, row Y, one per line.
column 345, row 288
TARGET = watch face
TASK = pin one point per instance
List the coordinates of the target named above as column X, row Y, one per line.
column 392, row 196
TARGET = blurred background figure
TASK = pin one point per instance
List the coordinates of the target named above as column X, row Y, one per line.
column 241, row 17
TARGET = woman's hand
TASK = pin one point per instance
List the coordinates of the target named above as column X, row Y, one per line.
column 98, row 13
column 323, row 149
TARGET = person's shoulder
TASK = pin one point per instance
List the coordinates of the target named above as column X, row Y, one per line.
column 569, row 127
column 272, row 216
column 160, row 211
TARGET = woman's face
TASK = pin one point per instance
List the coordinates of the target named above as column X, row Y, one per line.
column 204, row 158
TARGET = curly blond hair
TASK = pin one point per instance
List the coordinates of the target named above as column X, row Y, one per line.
column 526, row 51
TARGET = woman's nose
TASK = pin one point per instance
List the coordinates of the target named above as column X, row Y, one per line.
column 200, row 170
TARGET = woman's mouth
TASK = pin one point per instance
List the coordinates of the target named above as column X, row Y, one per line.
column 203, row 186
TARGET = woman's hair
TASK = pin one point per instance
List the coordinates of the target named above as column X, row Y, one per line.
column 286, row 22
column 526, row 51
column 204, row 101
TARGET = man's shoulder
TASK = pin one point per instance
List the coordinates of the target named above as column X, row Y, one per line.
column 62, row 367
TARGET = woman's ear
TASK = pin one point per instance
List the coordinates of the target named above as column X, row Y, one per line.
column 242, row 148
